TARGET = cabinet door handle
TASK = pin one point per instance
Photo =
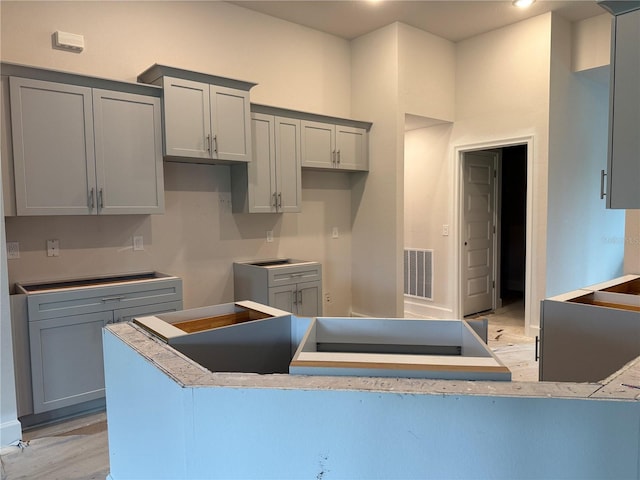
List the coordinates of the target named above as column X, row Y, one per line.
column 295, row 297
column 333, row 157
column 537, row 352
column 280, row 200
column 338, row 158
column 91, row 200
column 101, row 203
column 275, row 200
column 215, row 144
column 299, row 295
column 602, row 192
column 112, row 299
column 208, row 143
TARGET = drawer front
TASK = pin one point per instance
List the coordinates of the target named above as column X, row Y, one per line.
column 293, row 274
column 99, row 299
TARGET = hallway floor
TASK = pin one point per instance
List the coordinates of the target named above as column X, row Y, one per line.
column 77, row 449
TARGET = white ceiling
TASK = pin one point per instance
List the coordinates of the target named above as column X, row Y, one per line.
column 451, row 19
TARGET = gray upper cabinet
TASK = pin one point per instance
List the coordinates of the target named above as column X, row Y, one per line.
column 206, row 118
column 271, row 183
column 128, row 146
column 332, row 146
column 623, row 182
column 84, row 151
column 53, row 151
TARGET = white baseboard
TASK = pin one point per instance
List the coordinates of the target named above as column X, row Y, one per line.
column 417, row 309
column 10, row 432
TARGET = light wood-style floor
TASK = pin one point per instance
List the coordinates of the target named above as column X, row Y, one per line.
column 77, row 449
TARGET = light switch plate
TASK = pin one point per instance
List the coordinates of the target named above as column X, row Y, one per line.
column 335, row 233
column 269, row 236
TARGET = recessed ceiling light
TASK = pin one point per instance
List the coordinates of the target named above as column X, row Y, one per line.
column 523, row 3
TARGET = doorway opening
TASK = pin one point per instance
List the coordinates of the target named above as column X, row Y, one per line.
column 493, row 226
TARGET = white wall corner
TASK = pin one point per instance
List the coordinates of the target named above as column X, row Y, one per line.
column 591, row 43
column 10, row 427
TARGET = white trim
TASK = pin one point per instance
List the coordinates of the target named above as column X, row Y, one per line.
column 425, row 309
column 10, row 432
column 458, row 152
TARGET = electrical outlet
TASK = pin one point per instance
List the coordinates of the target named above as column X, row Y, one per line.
column 269, row 236
column 13, row 250
column 224, row 198
column 335, row 233
column 53, row 248
column 327, row 297
column 138, row 242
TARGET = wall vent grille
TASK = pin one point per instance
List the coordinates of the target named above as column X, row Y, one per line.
column 418, row 273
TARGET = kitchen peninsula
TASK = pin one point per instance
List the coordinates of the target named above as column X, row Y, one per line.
column 247, row 425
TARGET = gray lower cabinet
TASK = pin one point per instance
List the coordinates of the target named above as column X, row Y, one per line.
column 66, row 360
column 65, row 332
column 79, row 150
column 291, row 285
column 588, row 334
column 302, row 299
column 271, row 182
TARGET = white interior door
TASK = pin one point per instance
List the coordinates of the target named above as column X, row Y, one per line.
column 478, row 236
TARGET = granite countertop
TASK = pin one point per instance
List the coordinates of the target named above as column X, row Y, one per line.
column 623, row 385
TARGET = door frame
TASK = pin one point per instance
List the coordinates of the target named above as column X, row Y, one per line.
column 459, row 151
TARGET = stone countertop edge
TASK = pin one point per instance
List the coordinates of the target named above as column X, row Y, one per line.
column 189, row 374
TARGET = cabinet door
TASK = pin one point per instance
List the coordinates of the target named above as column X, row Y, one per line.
column 261, row 171
column 309, row 299
column 128, row 314
column 128, row 143
column 351, row 148
column 66, row 360
column 230, row 124
column 288, row 170
column 624, row 155
column 318, row 144
column 283, row 298
column 187, row 120
column 53, row 151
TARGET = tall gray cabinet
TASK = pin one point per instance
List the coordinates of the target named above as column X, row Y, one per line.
column 623, row 166
column 83, row 150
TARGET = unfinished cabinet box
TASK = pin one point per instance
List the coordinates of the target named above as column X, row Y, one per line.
column 65, row 320
column 588, row 334
column 415, row 348
column 233, row 337
column 206, row 117
column 291, row 285
column 82, row 150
